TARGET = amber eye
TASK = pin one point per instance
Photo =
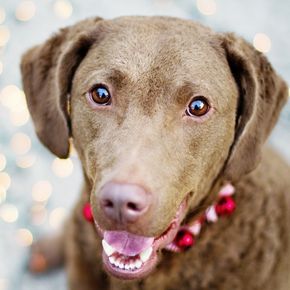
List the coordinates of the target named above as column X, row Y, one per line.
column 100, row 95
column 198, row 107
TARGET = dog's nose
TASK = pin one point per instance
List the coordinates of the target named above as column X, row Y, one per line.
column 124, row 203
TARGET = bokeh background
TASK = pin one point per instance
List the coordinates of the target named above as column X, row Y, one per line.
column 36, row 189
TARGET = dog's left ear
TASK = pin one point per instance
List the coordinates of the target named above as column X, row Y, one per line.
column 262, row 96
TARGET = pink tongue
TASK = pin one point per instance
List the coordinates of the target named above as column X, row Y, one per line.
column 126, row 243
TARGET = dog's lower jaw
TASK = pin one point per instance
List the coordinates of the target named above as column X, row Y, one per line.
column 128, row 273
column 140, row 265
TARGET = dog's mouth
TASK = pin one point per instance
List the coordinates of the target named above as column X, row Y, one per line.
column 129, row 256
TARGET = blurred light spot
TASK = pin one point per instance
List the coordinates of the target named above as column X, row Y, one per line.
column 57, row 217
column 4, row 35
column 9, row 213
column 41, row 191
column 38, row 214
column 1, row 67
column 2, row 162
column 25, row 161
column 5, row 180
column 262, row 42
column 3, row 284
column 2, row 15
column 24, row 237
column 2, row 194
column 20, row 143
column 62, row 8
column 72, row 150
column 13, row 98
column 206, row 7
column 19, row 118
column 62, row 167
column 25, row 10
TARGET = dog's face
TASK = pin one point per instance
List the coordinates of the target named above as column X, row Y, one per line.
column 156, row 109
column 161, row 110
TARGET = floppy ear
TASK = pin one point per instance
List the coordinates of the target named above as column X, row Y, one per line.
column 47, row 73
column 262, row 96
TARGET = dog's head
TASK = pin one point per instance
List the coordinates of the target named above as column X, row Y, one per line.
column 161, row 112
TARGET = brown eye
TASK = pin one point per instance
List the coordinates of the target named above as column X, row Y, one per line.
column 198, row 107
column 100, row 95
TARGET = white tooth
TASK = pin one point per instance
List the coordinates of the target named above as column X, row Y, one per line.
column 135, row 265
column 145, row 255
column 112, row 260
column 138, row 264
column 121, row 265
column 107, row 248
column 126, row 266
column 118, row 262
column 131, row 266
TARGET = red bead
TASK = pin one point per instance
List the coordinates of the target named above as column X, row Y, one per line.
column 226, row 206
column 184, row 239
column 87, row 212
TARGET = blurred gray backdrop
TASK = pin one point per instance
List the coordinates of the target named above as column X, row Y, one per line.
column 36, row 189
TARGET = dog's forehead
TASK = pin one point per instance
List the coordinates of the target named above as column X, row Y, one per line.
column 159, row 52
column 138, row 45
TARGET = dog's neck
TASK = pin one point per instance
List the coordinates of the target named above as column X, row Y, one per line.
column 224, row 205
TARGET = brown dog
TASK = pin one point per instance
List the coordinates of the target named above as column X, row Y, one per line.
column 163, row 112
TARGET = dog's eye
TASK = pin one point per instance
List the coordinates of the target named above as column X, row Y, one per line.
column 198, row 107
column 100, row 95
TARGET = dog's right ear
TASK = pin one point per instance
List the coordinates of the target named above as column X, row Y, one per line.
column 47, row 73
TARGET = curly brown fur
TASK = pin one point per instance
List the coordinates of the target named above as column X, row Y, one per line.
column 153, row 67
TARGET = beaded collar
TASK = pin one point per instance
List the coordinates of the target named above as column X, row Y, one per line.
column 187, row 235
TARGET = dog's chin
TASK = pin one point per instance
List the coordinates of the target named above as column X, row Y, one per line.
column 128, row 256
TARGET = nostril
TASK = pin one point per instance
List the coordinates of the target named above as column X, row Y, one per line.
column 132, row 206
column 108, row 203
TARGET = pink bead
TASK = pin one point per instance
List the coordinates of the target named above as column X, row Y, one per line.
column 227, row 190
column 87, row 212
column 211, row 214
column 195, row 228
column 184, row 239
column 226, row 206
